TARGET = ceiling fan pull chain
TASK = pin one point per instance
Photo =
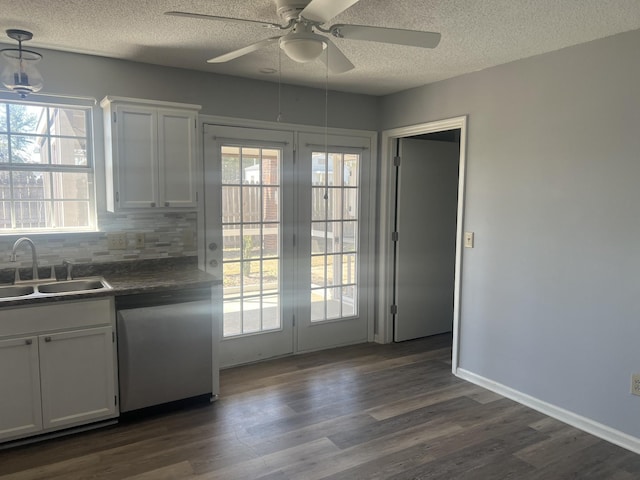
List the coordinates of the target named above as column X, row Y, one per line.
column 279, row 117
column 326, row 122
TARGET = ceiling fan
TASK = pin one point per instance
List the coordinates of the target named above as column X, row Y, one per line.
column 303, row 19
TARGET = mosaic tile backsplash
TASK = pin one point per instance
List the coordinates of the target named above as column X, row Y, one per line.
column 171, row 234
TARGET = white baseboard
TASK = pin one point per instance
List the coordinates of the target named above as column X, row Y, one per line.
column 604, row 432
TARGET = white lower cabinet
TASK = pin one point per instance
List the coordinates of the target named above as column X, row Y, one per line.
column 20, row 410
column 60, row 378
column 76, row 376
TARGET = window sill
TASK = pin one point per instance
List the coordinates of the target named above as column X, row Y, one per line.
column 49, row 234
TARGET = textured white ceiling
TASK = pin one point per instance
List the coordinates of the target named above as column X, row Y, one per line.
column 476, row 34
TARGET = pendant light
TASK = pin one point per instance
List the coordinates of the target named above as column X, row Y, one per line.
column 19, row 73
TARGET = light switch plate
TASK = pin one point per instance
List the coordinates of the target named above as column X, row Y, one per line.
column 635, row 384
column 468, row 239
column 187, row 238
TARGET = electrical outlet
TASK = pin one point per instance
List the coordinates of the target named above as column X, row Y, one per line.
column 635, row 384
column 117, row 241
column 187, row 238
column 140, row 240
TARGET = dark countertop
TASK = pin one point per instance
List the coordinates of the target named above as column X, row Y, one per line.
column 130, row 278
column 159, row 280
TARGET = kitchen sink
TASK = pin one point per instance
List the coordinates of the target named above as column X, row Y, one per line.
column 48, row 288
column 10, row 291
column 73, row 286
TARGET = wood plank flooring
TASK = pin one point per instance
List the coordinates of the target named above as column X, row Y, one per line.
column 362, row 412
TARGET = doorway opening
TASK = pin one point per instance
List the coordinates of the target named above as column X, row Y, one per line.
column 425, row 231
column 421, row 238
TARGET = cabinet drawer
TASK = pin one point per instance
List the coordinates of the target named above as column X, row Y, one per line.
column 27, row 319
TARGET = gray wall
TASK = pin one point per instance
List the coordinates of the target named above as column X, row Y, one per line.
column 91, row 76
column 551, row 292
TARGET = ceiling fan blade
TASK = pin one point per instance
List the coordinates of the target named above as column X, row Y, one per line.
column 324, row 10
column 398, row 36
column 223, row 19
column 338, row 62
column 243, row 51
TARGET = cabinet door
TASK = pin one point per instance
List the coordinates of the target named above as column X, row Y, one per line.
column 177, row 158
column 20, row 411
column 137, row 166
column 77, row 376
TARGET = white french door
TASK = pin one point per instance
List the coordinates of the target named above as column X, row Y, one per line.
column 248, row 217
column 334, row 249
column 287, row 239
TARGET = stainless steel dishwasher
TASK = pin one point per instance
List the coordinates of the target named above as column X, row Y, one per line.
column 164, row 347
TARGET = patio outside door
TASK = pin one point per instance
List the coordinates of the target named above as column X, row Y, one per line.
column 289, row 239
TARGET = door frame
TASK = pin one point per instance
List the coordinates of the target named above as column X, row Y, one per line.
column 384, row 319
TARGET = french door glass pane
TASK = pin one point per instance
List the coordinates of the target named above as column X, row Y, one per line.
column 334, row 244
column 251, row 239
column 270, row 240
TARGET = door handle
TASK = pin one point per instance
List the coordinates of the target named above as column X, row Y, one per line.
column 47, row 339
column 213, row 263
column 213, row 246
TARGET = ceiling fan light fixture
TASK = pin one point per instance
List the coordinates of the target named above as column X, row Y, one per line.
column 19, row 73
column 303, row 47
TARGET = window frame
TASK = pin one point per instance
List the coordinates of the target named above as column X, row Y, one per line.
column 76, row 103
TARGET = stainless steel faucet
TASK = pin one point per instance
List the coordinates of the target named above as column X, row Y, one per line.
column 34, row 255
column 69, row 264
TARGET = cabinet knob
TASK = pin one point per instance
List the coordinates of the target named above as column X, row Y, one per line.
column 213, row 263
column 167, row 204
column 213, row 246
column 47, row 339
column 153, row 204
column 28, row 341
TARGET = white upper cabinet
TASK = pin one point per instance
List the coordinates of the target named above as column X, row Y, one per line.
column 177, row 177
column 151, row 154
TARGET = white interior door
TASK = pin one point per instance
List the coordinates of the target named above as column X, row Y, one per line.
column 334, row 245
column 249, row 238
column 425, row 251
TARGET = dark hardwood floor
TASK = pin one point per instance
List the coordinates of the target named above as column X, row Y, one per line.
column 363, row 412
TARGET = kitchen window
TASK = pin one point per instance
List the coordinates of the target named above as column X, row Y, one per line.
column 46, row 168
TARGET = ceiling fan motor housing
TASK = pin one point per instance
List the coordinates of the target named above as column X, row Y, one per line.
column 290, row 9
